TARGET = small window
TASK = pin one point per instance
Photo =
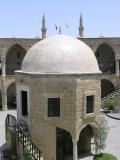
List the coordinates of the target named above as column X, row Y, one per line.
column 90, row 104
column 53, row 107
column 24, row 103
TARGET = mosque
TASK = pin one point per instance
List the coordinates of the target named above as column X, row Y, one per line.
column 56, row 84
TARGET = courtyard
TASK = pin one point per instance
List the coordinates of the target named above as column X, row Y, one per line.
column 112, row 142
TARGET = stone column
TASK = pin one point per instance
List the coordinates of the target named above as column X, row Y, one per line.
column 75, row 150
column 3, row 83
column 117, row 67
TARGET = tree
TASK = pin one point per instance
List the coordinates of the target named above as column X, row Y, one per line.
column 102, row 135
column 110, row 103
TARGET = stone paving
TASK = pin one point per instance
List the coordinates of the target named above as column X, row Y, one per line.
column 83, row 158
column 113, row 140
column 87, row 158
column 114, row 115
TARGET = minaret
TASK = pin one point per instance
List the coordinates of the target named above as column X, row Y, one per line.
column 43, row 29
column 81, row 27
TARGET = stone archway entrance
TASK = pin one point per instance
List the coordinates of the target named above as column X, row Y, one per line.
column 106, row 58
column 11, row 96
column 106, row 87
column 14, row 59
column 85, row 141
column 64, row 145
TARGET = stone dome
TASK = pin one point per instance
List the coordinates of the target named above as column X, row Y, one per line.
column 60, row 54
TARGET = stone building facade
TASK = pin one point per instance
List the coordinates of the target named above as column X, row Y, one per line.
column 59, row 100
column 12, row 53
column 13, row 50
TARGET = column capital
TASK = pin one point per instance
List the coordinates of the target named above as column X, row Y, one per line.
column 74, row 140
column 3, row 60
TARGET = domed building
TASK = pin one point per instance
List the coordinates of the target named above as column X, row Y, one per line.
column 58, row 97
column 13, row 51
column 60, row 55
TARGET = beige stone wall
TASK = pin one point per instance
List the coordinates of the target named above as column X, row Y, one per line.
column 72, row 91
column 44, row 136
column 87, row 87
column 63, row 88
column 42, row 127
column 12, row 142
column 7, row 43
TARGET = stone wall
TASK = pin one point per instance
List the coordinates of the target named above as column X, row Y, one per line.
column 6, row 44
column 72, row 92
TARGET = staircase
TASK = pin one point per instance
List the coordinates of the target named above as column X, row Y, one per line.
column 12, row 124
column 24, row 128
column 111, row 95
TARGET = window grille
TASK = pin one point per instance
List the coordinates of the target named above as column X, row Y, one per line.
column 90, row 104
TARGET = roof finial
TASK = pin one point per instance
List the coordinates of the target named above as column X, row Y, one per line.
column 43, row 29
column 81, row 27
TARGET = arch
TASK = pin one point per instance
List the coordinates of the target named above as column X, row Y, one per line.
column 87, row 140
column 64, row 146
column 104, row 41
column 106, row 87
column 10, row 82
column 84, row 142
column 94, row 126
column 14, row 58
column 106, row 58
column 11, row 96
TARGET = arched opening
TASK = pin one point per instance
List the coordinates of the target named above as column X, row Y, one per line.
column 106, row 58
column 64, row 146
column 106, row 87
column 84, row 142
column 11, row 96
column 14, row 59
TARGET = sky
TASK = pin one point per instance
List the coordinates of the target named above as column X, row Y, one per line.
column 22, row 18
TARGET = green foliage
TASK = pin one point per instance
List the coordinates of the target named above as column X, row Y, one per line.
column 105, row 156
column 102, row 134
column 26, row 155
column 110, row 103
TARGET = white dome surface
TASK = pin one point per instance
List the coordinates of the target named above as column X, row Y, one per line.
column 60, row 54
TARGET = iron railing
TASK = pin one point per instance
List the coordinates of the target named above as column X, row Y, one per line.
column 12, row 124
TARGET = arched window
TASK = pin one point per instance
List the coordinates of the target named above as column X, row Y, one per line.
column 14, row 59
column 106, row 58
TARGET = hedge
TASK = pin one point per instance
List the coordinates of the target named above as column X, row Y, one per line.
column 105, row 156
